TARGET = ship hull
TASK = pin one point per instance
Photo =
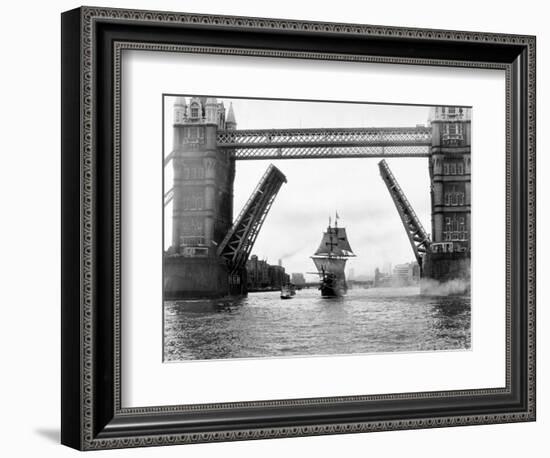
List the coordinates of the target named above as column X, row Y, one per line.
column 333, row 287
column 329, row 291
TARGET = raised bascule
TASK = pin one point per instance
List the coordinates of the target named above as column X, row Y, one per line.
column 239, row 240
column 418, row 238
column 209, row 249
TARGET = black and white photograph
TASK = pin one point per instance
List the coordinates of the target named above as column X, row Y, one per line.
column 309, row 228
column 275, row 229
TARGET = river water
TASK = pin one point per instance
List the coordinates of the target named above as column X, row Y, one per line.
column 364, row 321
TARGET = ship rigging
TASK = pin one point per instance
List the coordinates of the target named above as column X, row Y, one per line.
column 330, row 260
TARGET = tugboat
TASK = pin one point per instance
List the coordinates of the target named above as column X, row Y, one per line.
column 330, row 260
column 287, row 291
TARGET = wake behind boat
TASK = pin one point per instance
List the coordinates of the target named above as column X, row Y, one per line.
column 330, row 260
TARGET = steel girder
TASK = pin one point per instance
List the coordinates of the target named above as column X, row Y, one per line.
column 168, row 196
column 369, row 136
column 239, row 240
column 330, row 152
column 418, row 237
column 327, row 143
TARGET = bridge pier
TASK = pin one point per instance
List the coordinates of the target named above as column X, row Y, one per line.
column 187, row 278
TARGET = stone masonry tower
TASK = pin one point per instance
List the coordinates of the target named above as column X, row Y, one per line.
column 202, row 204
column 450, row 168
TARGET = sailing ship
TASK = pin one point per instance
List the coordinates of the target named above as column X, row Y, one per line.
column 330, row 260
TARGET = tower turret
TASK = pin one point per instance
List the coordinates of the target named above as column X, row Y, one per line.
column 180, row 108
column 230, row 122
column 211, row 111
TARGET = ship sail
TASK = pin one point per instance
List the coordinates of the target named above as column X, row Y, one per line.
column 334, row 243
column 329, row 265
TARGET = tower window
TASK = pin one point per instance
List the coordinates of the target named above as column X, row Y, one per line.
column 455, row 229
column 193, row 173
column 193, row 200
column 454, row 197
column 452, row 129
column 194, row 110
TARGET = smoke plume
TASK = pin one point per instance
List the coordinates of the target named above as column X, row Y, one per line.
column 457, row 286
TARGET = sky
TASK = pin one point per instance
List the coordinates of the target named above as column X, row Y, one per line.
column 317, row 188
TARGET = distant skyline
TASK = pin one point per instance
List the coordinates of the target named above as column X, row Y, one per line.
column 317, row 188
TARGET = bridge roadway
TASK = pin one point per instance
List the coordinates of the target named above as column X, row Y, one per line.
column 376, row 142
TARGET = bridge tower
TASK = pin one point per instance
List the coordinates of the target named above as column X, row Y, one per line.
column 202, row 199
column 449, row 165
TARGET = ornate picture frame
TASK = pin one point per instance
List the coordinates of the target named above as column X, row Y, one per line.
column 93, row 40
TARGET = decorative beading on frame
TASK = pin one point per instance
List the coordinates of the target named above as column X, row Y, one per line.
column 531, row 234
column 89, row 15
column 119, row 47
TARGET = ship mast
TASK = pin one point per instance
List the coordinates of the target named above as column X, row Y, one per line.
column 331, row 242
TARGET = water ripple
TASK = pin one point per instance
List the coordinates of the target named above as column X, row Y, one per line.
column 364, row 321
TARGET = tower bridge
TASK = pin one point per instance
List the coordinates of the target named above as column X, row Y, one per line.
column 209, row 250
